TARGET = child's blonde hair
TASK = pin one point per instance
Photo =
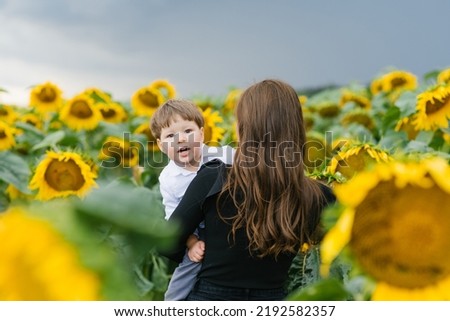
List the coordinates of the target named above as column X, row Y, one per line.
column 165, row 114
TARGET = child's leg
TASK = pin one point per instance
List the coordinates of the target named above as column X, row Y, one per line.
column 183, row 280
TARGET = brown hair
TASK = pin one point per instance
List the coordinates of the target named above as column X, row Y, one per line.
column 277, row 204
column 166, row 113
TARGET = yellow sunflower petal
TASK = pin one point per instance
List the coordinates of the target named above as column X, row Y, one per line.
column 36, row 262
column 335, row 240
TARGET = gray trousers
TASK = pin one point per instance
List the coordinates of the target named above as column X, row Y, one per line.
column 183, row 280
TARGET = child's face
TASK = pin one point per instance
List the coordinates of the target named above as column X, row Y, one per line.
column 182, row 142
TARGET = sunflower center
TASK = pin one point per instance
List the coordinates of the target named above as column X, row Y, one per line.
column 432, row 107
column 3, row 112
column 359, row 102
column 330, row 110
column 315, row 154
column 400, row 236
column 108, row 113
column 149, row 99
column 358, row 118
column 64, row 176
column 81, row 109
column 47, row 95
column 2, row 134
column 31, row 122
column 349, row 166
column 397, row 82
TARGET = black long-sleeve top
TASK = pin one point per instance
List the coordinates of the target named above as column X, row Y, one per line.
column 226, row 262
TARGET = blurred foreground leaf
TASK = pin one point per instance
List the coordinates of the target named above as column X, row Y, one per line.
column 324, row 290
column 132, row 210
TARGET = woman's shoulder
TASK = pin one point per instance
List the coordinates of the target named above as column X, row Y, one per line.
column 214, row 165
column 213, row 172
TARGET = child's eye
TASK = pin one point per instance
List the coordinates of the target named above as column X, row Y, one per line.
column 187, row 131
column 169, row 136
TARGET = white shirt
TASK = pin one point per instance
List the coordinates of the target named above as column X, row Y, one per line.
column 174, row 180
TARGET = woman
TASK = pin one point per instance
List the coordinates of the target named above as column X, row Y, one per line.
column 259, row 211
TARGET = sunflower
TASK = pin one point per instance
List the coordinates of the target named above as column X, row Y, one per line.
column 376, row 86
column 396, row 222
column 6, row 136
column 61, row 174
column 38, row 264
column 328, row 109
column 358, row 116
column 146, row 100
column 359, row 100
column 316, row 151
column 308, row 119
column 355, row 158
column 212, row 133
column 164, row 87
column 80, row 113
column 446, row 138
column 112, row 112
column 231, row 99
column 433, row 108
column 302, row 99
column 406, row 124
column 398, row 80
column 7, row 114
column 97, row 95
column 151, row 140
column 444, row 76
column 122, row 152
column 46, row 97
column 31, row 119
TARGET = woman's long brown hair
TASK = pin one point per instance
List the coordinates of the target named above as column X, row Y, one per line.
column 277, row 204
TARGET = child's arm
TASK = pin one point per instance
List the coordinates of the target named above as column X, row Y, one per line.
column 196, row 248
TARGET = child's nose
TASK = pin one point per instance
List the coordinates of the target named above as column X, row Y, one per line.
column 182, row 137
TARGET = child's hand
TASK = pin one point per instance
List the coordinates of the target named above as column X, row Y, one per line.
column 197, row 251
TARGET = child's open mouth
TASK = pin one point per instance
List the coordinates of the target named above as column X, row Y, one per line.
column 183, row 149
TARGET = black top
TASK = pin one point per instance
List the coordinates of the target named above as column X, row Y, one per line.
column 225, row 263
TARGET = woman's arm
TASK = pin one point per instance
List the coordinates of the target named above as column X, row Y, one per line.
column 188, row 214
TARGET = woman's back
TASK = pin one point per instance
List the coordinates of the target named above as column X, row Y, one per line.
column 259, row 212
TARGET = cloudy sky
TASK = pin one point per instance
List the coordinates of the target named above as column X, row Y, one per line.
column 204, row 47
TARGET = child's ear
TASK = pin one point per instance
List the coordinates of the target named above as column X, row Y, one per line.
column 203, row 134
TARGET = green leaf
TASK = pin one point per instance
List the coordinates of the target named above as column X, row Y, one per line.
column 130, row 209
column 393, row 141
column 324, row 290
column 431, row 76
column 30, row 129
column 14, row 170
column 4, row 203
column 415, row 146
column 390, row 119
column 425, row 137
column 50, row 140
column 406, row 103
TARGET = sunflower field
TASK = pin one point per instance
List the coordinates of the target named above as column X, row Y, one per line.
column 81, row 216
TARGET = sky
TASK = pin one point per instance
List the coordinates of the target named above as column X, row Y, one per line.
column 206, row 47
